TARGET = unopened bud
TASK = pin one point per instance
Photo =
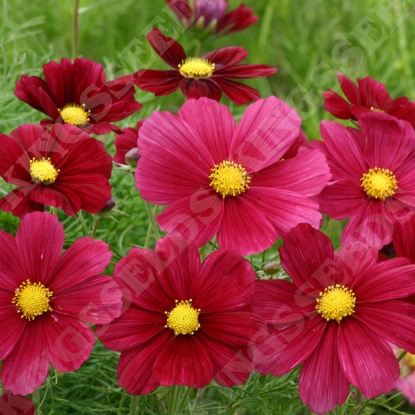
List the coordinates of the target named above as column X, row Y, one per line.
column 132, row 156
column 272, row 268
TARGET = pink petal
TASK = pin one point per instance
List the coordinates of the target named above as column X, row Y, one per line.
column 366, row 359
column 231, row 366
column 156, row 81
column 225, row 283
column 26, row 367
column 404, row 238
column 322, row 384
column 85, row 258
column 13, row 325
column 285, row 209
column 212, row 123
column 286, row 348
column 200, row 88
column 392, row 320
column 133, row 329
column 342, row 149
column 10, row 270
column 280, row 302
column 226, row 57
column 135, row 367
column 39, row 242
column 371, row 225
column 184, row 361
column 266, row 131
column 244, row 227
column 96, row 300
column 388, row 140
column 238, row 93
column 197, row 217
column 307, row 173
column 308, row 258
column 68, row 340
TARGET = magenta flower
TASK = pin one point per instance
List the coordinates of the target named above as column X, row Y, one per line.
column 186, row 322
column 77, row 93
column 337, row 318
column 48, row 298
column 217, row 178
column 62, row 167
column 373, row 180
column 205, row 76
column 369, row 95
column 212, row 15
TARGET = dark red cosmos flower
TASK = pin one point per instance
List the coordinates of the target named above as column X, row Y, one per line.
column 15, row 405
column 47, row 300
column 62, row 167
column 126, row 145
column 185, row 322
column 368, row 95
column 337, row 318
column 206, row 76
column 212, row 15
column 77, row 93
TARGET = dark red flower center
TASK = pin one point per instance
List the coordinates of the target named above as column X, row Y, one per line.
column 43, row 171
column 379, row 183
column 183, row 319
column 196, row 68
column 229, row 178
column 75, row 114
column 336, row 302
column 32, row 299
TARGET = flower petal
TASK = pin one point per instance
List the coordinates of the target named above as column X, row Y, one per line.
column 322, row 384
column 366, row 358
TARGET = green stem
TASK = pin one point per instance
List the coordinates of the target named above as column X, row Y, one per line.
column 339, row 410
column 134, row 405
column 173, row 400
column 124, row 393
column 153, row 224
column 95, row 223
column 329, row 227
column 75, row 28
column 83, row 223
column 54, row 210
column 402, row 355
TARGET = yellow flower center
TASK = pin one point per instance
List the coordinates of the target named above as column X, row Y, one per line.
column 32, row 299
column 75, row 114
column 229, row 178
column 183, row 319
column 336, row 302
column 42, row 171
column 379, row 183
column 196, row 68
column 376, row 109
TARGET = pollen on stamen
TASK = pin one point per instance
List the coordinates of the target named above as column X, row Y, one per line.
column 43, row 171
column 196, row 68
column 183, row 319
column 75, row 114
column 336, row 302
column 229, row 179
column 379, row 183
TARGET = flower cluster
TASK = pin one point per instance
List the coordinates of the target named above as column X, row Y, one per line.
column 193, row 310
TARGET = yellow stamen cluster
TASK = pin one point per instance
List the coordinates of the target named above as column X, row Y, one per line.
column 336, row 302
column 183, row 319
column 379, row 183
column 43, row 171
column 376, row 109
column 196, row 68
column 229, row 178
column 75, row 114
column 32, row 299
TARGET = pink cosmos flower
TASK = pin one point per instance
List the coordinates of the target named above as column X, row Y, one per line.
column 369, row 95
column 336, row 318
column 373, row 180
column 62, row 167
column 205, row 76
column 77, row 93
column 46, row 300
column 185, row 322
column 212, row 15
column 15, row 405
column 217, row 178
